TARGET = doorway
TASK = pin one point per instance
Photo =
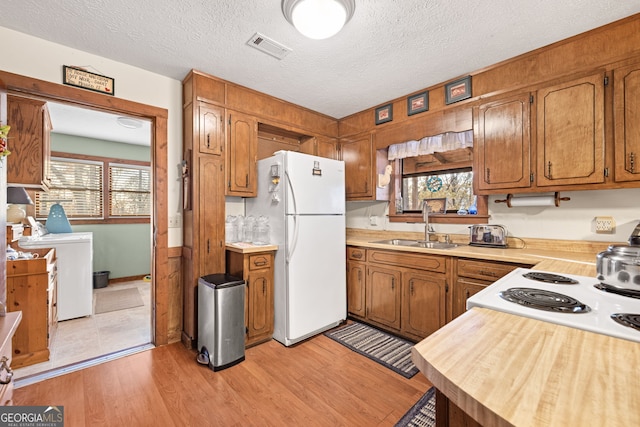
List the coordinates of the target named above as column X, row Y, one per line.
column 159, row 215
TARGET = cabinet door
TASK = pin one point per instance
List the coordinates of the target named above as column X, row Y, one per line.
column 463, row 289
column 211, row 128
column 570, row 133
column 358, row 168
column 383, row 296
column 260, row 304
column 356, row 288
column 28, row 293
column 423, row 303
column 211, row 231
column 242, row 155
column 626, row 104
column 327, row 147
column 28, row 142
column 503, row 144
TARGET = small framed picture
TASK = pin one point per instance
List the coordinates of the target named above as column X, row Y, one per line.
column 438, row 206
column 384, row 114
column 457, row 90
column 418, row 103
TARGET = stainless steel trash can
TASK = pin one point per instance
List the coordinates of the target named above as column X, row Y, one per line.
column 221, row 328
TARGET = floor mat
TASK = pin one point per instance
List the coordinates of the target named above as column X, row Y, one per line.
column 384, row 348
column 120, row 299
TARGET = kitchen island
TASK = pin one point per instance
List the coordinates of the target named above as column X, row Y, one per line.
column 506, row 370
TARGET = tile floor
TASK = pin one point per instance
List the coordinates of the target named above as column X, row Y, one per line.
column 78, row 340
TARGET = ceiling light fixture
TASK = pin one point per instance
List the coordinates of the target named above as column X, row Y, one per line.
column 129, row 123
column 318, row 19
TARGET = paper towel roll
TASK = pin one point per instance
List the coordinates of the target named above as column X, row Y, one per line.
column 533, row 201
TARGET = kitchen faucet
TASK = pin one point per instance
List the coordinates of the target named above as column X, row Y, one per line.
column 428, row 229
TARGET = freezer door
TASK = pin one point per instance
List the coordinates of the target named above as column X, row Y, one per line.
column 316, row 280
column 314, row 185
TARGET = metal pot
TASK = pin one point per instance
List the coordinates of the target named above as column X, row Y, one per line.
column 619, row 266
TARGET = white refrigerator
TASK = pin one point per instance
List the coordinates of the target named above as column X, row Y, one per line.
column 304, row 198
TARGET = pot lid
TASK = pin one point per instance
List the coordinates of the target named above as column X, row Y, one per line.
column 626, row 250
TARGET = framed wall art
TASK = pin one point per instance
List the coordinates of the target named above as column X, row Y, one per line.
column 457, row 90
column 384, row 114
column 418, row 103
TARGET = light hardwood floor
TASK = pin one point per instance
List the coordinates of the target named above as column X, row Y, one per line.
column 315, row 383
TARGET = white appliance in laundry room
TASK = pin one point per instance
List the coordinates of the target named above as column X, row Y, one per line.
column 74, row 253
column 304, row 198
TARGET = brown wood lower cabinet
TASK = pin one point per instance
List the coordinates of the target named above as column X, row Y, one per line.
column 384, row 291
column 472, row 276
column 409, row 294
column 423, row 303
column 31, row 288
column 257, row 270
column 383, row 296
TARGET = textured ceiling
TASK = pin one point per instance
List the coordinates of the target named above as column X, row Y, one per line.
column 388, row 49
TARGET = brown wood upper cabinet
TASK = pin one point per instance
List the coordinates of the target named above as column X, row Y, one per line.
column 569, row 138
column 211, row 128
column 320, row 146
column 361, row 163
column 570, row 133
column 242, row 155
column 502, row 131
column 357, row 154
column 626, row 104
column 29, row 142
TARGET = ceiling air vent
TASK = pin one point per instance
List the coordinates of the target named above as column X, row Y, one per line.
column 268, row 46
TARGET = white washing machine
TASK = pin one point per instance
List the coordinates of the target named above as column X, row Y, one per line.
column 74, row 252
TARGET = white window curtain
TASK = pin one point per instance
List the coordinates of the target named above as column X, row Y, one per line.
column 431, row 144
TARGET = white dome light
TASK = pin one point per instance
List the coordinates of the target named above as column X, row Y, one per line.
column 318, row 19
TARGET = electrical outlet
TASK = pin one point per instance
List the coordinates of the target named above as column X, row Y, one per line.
column 605, row 224
column 373, row 220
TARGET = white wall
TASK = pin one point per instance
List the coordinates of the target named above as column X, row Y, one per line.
column 572, row 220
column 37, row 58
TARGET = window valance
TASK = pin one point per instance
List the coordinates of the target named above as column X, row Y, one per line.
column 431, row 144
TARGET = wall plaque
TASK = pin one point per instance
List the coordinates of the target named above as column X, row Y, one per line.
column 78, row 77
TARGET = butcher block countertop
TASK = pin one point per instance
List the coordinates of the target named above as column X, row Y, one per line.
column 507, row 370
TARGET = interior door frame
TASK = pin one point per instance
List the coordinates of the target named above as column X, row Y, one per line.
column 159, row 216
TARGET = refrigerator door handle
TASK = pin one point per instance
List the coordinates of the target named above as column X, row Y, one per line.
column 292, row 244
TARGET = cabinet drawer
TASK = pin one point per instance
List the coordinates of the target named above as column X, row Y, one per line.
column 257, row 262
column 403, row 259
column 356, row 254
column 484, row 270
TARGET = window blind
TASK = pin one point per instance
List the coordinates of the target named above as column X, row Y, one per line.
column 78, row 185
column 129, row 191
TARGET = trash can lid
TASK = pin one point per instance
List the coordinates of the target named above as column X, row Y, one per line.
column 220, row 280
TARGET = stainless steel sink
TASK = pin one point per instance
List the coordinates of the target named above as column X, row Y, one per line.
column 416, row 243
column 437, row 245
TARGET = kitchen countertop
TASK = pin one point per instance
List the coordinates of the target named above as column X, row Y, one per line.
column 247, row 248
column 506, row 370
column 558, row 256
